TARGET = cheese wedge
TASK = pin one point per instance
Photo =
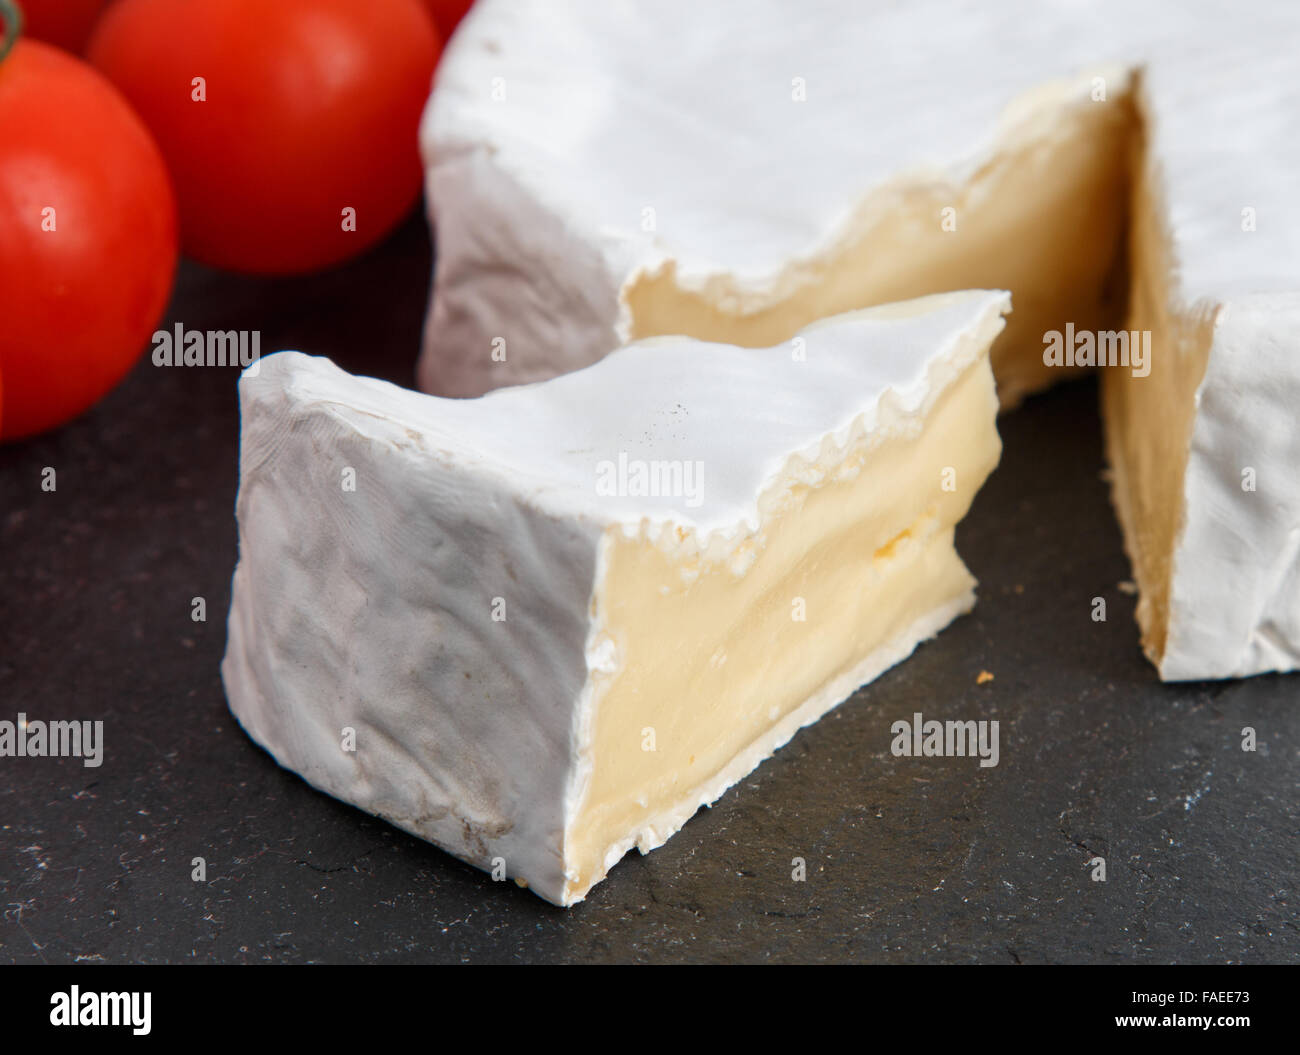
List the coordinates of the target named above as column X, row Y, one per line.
column 544, row 626
column 734, row 171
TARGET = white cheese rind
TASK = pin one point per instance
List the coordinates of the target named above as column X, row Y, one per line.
column 371, row 609
column 1235, row 590
column 361, row 610
column 555, row 125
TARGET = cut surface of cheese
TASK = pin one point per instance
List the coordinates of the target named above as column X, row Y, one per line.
column 599, row 172
column 556, row 620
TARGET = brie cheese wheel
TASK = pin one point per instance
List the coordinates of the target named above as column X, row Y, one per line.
column 544, row 626
column 599, row 172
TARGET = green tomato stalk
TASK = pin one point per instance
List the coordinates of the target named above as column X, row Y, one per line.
column 12, row 17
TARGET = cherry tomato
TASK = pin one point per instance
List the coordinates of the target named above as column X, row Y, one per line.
column 447, row 14
column 66, row 23
column 88, row 237
column 290, row 126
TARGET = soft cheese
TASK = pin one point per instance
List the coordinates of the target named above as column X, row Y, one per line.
column 544, row 626
column 599, row 171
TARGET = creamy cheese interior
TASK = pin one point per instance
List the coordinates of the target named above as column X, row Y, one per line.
column 712, row 657
column 1149, row 419
column 1070, row 223
column 1045, row 219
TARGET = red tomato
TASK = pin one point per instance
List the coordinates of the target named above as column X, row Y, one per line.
column 309, row 108
column 87, row 237
column 66, row 23
column 447, row 14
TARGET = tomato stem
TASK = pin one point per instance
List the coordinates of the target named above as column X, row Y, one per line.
column 12, row 16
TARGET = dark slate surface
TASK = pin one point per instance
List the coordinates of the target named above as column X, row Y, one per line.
column 909, row 860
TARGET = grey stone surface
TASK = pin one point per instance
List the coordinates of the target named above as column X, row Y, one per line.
column 909, row 860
